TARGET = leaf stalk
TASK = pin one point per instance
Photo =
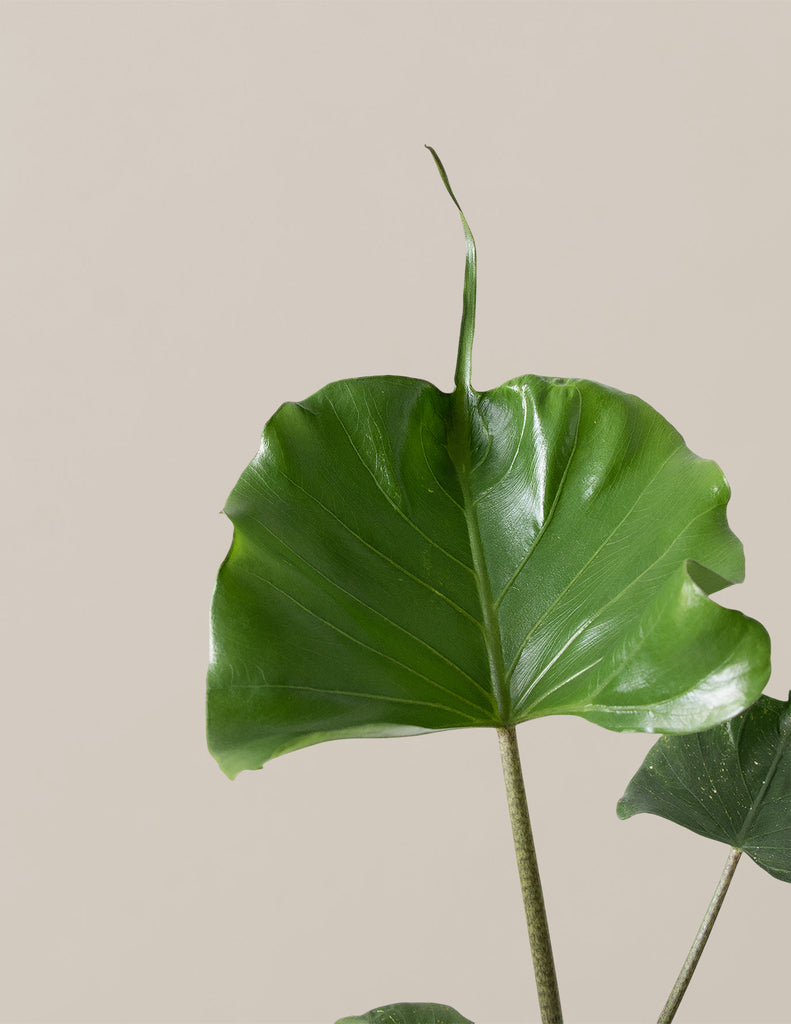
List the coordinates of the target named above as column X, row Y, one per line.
column 685, row 975
column 530, row 880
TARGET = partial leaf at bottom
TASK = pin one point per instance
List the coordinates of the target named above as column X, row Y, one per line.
column 409, row 1013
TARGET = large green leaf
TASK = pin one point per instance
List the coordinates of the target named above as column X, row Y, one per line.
column 409, row 1013
column 731, row 783
column 407, row 560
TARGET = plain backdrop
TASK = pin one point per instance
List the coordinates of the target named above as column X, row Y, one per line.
column 210, row 208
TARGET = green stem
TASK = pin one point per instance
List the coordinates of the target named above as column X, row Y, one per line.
column 685, row 976
column 532, row 895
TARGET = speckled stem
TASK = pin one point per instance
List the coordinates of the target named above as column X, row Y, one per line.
column 532, row 895
column 684, row 978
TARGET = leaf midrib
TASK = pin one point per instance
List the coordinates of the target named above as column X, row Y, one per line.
column 459, row 449
column 742, row 839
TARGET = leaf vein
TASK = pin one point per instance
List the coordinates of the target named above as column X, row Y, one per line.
column 355, row 693
column 389, row 500
column 372, row 547
column 386, row 618
column 590, row 561
column 548, row 519
column 434, row 475
column 361, row 643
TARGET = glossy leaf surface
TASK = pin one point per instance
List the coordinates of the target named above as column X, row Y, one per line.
column 406, row 560
column 409, row 1013
column 731, row 783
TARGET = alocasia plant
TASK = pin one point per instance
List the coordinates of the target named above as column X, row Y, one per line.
column 406, row 560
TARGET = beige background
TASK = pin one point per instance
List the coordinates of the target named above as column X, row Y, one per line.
column 211, row 208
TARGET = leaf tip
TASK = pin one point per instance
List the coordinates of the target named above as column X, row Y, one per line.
column 623, row 810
